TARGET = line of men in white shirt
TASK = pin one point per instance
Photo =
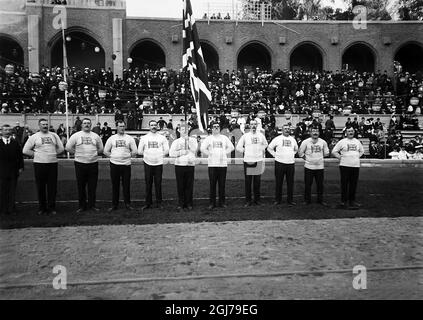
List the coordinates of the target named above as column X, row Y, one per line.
column 44, row 146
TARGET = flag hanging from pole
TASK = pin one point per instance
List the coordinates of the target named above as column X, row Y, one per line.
column 193, row 61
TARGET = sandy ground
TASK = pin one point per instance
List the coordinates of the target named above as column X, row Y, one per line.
column 213, row 248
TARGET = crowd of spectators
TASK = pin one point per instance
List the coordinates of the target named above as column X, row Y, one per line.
column 165, row 91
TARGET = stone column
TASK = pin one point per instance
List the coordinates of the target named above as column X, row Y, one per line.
column 33, row 43
column 117, row 47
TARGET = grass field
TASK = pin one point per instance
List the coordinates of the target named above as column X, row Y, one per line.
column 384, row 191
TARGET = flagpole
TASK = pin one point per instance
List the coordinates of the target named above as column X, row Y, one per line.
column 65, row 71
column 184, row 71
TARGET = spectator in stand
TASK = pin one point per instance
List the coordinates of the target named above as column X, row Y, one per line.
column 106, row 133
column 374, row 150
column 227, row 17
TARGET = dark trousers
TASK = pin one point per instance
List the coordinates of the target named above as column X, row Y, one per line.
column 282, row 170
column 86, row 179
column 153, row 173
column 349, row 179
column 185, row 185
column 217, row 175
column 255, row 180
column 7, row 194
column 118, row 173
column 309, row 175
column 46, row 181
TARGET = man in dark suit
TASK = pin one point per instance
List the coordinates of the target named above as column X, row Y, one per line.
column 11, row 165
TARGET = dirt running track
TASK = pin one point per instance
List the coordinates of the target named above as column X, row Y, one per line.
column 173, row 250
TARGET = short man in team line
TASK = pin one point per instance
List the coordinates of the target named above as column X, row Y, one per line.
column 183, row 150
column 87, row 146
column 153, row 147
column 348, row 151
column 120, row 148
column 44, row 146
column 283, row 148
column 313, row 150
column 253, row 144
column 216, row 147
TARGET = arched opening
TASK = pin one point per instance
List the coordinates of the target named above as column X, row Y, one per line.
column 410, row 57
column 359, row 57
column 211, row 58
column 10, row 52
column 147, row 54
column 254, row 55
column 82, row 51
column 306, row 57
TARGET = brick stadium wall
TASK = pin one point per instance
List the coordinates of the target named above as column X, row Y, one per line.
column 98, row 24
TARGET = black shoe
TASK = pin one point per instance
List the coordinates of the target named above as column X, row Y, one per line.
column 291, row 204
column 211, row 207
column 39, row 212
column 276, row 203
column 257, row 203
column 190, row 208
column 95, row 209
column 322, row 203
column 223, row 206
column 80, row 210
column 353, row 206
column 342, row 205
column 248, row 204
column 147, row 206
column 129, row 207
column 112, row 209
column 178, row 209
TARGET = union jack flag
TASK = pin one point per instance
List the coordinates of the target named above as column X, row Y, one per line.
column 193, row 60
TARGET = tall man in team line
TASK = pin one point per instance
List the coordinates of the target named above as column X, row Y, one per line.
column 252, row 144
column 120, row 148
column 87, row 146
column 284, row 148
column 44, row 146
column 183, row 150
column 153, row 147
column 348, row 151
column 313, row 150
column 216, row 147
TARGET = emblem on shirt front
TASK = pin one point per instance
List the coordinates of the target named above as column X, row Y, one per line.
column 286, row 143
column 351, row 147
column 316, row 149
column 217, row 144
column 46, row 140
column 120, row 143
column 254, row 140
column 86, row 140
column 153, row 144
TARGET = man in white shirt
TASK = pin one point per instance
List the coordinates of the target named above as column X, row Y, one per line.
column 313, row 150
column 216, row 147
column 154, row 147
column 120, row 148
column 44, row 146
column 283, row 148
column 87, row 146
column 348, row 151
column 183, row 150
column 253, row 144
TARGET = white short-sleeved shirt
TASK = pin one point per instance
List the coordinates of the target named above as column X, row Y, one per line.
column 314, row 153
column 285, row 149
column 154, row 147
column 120, row 147
column 86, row 145
column 179, row 145
column 217, row 147
column 254, row 145
column 351, row 150
column 45, row 146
